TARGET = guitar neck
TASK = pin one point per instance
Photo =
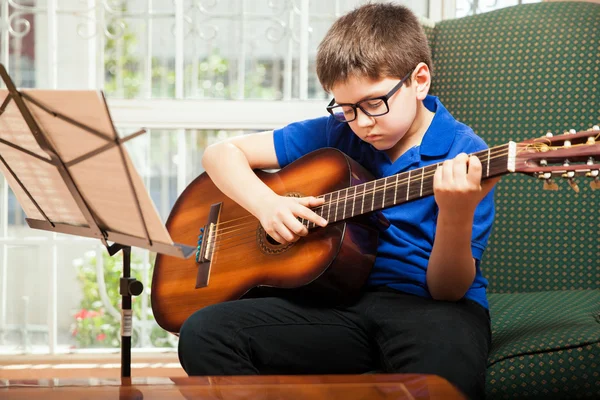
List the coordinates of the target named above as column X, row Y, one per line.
column 403, row 187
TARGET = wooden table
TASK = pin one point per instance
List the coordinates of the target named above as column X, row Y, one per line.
column 347, row 387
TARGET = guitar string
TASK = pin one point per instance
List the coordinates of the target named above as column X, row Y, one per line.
column 497, row 151
column 228, row 243
column 415, row 178
column 228, row 231
column 224, row 229
column 220, row 241
column 494, row 151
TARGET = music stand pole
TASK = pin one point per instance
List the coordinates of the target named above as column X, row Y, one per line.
column 128, row 287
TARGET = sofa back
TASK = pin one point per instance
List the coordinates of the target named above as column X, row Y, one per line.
column 514, row 74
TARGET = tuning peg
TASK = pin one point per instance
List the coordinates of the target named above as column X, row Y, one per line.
column 596, row 128
column 595, row 175
column 569, row 175
column 573, row 185
column 549, row 184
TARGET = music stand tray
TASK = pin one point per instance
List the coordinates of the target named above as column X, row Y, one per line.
column 62, row 157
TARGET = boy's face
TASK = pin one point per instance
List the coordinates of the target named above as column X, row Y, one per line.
column 402, row 122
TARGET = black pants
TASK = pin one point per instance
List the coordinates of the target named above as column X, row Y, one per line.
column 386, row 330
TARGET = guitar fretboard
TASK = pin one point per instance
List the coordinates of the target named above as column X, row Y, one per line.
column 399, row 188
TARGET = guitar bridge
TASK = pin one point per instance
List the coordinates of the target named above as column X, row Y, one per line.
column 206, row 246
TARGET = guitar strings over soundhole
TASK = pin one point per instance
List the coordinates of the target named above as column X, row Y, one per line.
column 266, row 243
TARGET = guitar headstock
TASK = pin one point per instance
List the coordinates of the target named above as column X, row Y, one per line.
column 564, row 156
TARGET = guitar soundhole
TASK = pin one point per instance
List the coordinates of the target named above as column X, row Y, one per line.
column 266, row 243
column 272, row 241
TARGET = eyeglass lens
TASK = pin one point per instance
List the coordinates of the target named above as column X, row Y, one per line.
column 371, row 107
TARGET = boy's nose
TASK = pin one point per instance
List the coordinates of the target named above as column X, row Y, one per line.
column 362, row 119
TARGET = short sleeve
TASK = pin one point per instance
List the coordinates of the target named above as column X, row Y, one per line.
column 482, row 225
column 300, row 138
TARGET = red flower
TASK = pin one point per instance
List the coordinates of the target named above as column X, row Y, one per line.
column 100, row 337
column 83, row 314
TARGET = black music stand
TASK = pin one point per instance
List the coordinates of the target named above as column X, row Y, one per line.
column 63, row 159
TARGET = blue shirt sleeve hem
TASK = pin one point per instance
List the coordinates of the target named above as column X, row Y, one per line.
column 477, row 250
column 280, row 148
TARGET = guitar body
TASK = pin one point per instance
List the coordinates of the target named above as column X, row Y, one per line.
column 333, row 262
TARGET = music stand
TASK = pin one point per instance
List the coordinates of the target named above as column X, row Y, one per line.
column 64, row 161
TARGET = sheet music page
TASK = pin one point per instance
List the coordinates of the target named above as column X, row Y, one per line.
column 103, row 179
column 41, row 178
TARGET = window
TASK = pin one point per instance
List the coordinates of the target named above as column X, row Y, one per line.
column 178, row 68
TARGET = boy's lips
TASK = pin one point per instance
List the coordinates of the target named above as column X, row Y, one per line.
column 372, row 138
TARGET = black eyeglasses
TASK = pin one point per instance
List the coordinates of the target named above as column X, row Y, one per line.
column 374, row 107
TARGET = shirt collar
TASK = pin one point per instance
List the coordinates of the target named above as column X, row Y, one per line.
column 439, row 136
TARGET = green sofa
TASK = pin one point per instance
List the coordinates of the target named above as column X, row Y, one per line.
column 514, row 74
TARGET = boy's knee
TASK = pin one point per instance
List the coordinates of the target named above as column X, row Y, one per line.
column 197, row 336
column 200, row 326
column 459, row 366
column 464, row 369
column 208, row 344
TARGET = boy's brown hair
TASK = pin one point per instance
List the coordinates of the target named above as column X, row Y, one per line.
column 374, row 41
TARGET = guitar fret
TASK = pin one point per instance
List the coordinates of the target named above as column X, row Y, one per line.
column 408, row 186
column 422, row 176
column 383, row 197
column 345, row 204
column 353, row 201
column 328, row 202
column 373, row 195
column 488, row 162
column 344, row 207
column 337, row 199
column 396, row 188
column 339, row 204
column 362, row 205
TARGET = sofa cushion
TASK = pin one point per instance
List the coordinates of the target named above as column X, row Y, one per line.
column 545, row 345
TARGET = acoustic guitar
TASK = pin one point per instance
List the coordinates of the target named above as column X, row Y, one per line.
column 235, row 257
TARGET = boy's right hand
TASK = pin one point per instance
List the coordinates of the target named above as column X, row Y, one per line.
column 279, row 216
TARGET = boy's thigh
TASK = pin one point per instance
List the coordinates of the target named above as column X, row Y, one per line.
column 418, row 335
column 416, row 324
column 285, row 336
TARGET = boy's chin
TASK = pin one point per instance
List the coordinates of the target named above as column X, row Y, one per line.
column 381, row 145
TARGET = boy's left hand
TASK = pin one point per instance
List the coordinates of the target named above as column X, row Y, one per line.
column 457, row 185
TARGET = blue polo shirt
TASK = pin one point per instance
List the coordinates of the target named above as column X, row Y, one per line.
column 404, row 248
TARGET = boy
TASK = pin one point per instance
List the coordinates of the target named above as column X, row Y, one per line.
column 424, row 308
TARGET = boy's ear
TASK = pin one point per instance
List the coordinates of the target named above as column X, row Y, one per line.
column 422, row 80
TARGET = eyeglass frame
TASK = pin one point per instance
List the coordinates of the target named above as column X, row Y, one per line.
column 354, row 106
